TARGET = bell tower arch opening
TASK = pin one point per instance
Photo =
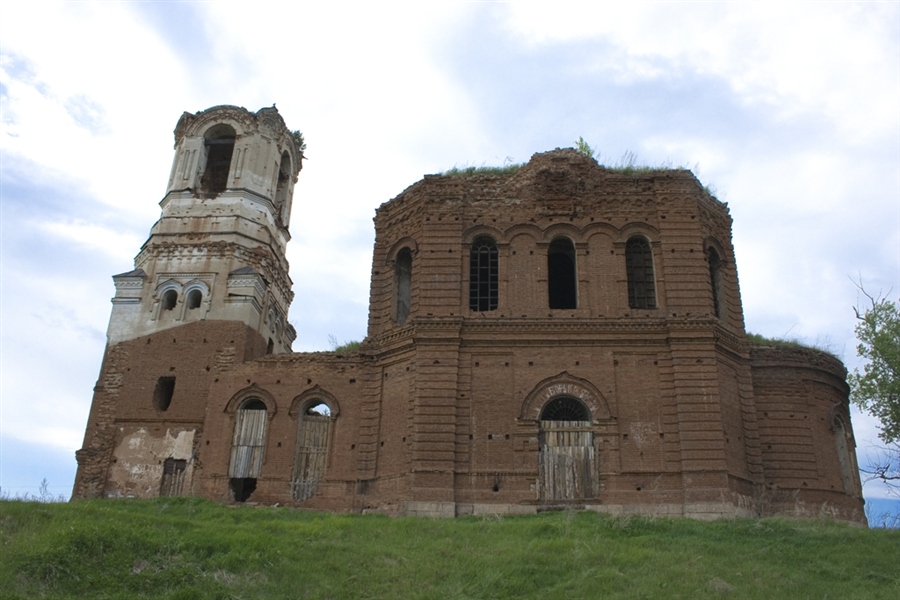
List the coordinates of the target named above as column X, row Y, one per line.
column 219, row 145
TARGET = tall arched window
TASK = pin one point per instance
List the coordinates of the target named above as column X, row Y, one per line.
column 402, row 285
column 715, row 280
column 483, row 275
column 562, row 287
column 219, row 142
column 247, row 448
column 639, row 267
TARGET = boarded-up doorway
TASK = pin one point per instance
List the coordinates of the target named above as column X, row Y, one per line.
column 247, row 448
column 567, row 463
column 312, row 451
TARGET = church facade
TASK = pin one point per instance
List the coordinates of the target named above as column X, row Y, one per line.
column 553, row 335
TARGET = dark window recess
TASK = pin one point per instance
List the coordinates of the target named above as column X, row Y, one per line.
column 283, row 185
column 565, row 408
column 639, row 265
column 270, row 347
column 163, row 392
column 561, row 283
column 715, row 279
column 172, row 477
column 219, row 144
column 242, row 488
column 194, row 298
column 169, row 300
column 483, row 275
column 403, row 285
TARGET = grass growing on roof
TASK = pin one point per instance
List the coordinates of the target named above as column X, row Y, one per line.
column 191, row 548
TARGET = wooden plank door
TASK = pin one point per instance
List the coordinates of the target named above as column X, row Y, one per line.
column 567, row 461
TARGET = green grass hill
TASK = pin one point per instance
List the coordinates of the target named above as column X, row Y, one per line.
column 186, row 548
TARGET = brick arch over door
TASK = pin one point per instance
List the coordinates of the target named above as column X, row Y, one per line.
column 565, row 385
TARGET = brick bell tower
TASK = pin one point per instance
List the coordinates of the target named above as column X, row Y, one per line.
column 210, row 288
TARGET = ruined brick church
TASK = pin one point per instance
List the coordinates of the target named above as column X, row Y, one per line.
column 556, row 335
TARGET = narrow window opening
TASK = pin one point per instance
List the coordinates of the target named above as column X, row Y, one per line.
column 194, row 298
column 639, row 266
column 561, row 283
column 283, row 185
column 169, row 299
column 270, row 347
column 403, row 285
column 163, row 392
column 219, row 142
column 483, row 275
column 715, row 279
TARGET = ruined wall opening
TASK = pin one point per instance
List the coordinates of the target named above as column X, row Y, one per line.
column 639, row 266
column 483, row 275
column 402, row 285
column 567, row 462
column 248, row 448
column 219, row 143
column 843, row 452
column 163, row 392
column 172, row 477
column 562, row 284
column 313, row 433
column 715, row 280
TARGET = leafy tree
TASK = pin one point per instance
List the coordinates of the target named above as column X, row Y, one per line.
column 876, row 389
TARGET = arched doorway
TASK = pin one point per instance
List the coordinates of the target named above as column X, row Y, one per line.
column 312, row 450
column 567, row 463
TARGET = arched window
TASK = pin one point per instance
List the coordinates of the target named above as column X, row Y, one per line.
column 194, row 298
column 567, row 461
column 402, row 285
column 715, row 280
column 169, row 299
column 313, row 430
column 247, row 448
column 483, row 275
column 562, row 287
column 219, row 142
column 639, row 266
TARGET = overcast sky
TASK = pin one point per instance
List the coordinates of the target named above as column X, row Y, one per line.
column 791, row 115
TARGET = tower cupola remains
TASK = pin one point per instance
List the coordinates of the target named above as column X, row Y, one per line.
column 218, row 249
column 559, row 334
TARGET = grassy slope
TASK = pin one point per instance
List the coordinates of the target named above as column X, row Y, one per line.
column 189, row 548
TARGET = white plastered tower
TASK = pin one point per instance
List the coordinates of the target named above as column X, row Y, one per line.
column 218, row 249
